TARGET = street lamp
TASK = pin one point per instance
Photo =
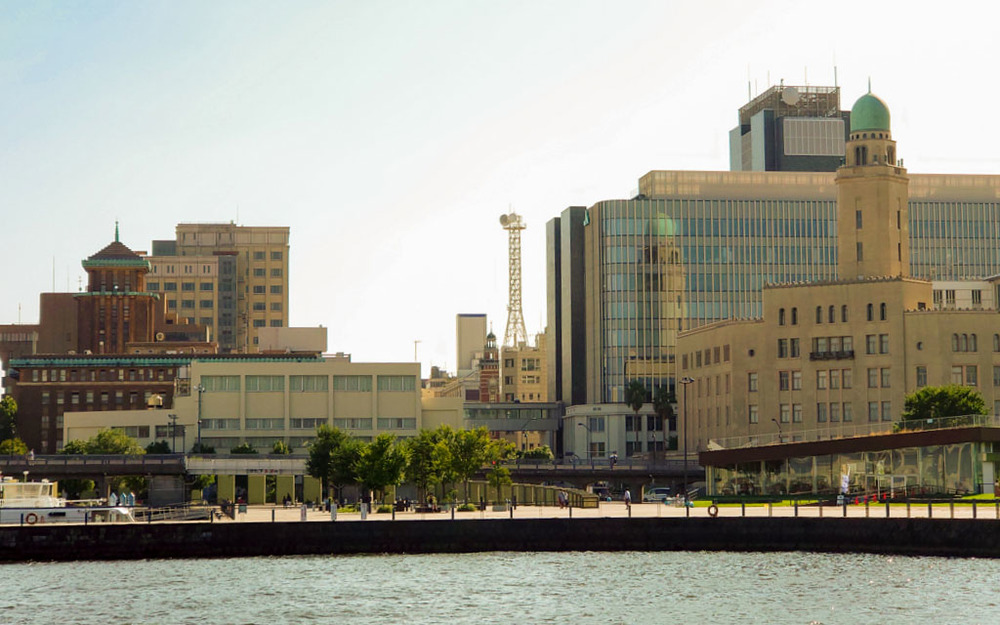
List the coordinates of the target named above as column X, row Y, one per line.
column 200, row 389
column 779, row 429
column 173, row 433
column 587, row 427
column 685, row 381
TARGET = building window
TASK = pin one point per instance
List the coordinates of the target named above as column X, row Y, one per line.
column 783, row 380
column 819, row 314
column 259, row 323
column 205, row 303
column 872, row 377
column 396, row 383
column 794, row 348
column 834, row 378
column 782, row 348
column 307, row 383
column 821, row 377
column 887, row 411
column 752, row 382
column 796, row 380
column 973, row 343
column 871, row 311
column 921, row 376
column 276, row 272
column 258, row 289
column 795, row 316
column 781, row 317
column 169, row 286
column 885, row 377
column 397, row 423
column 785, row 413
column 188, row 303
column 996, row 342
column 971, row 375
column 881, row 311
column 957, row 374
column 258, row 255
column 860, row 251
column 873, row 411
column 883, row 343
column 871, row 343
column 258, row 272
column 275, row 255
column 821, row 412
column 187, row 286
column 275, row 289
column 206, row 286
column 259, row 306
column 275, row 306
column 834, row 412
column 843, row 313
column 352, row 383
column 754, row 418
column 265, row 383
column 831, row 315
column 796, row 413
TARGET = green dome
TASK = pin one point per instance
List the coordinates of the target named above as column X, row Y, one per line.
column 869, row 113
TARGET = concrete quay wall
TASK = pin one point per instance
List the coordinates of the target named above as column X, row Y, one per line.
column 935, row 537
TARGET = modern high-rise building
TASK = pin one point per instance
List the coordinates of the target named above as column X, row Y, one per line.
column 235, row 277
column 470, row 336
column 693, row 248
column 790, row 129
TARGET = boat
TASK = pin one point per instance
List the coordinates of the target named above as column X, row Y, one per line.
column 34, row 503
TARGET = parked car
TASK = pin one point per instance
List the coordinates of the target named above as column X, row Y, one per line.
column 659, row 493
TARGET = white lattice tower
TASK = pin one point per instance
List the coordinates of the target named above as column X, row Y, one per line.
column 515, row 334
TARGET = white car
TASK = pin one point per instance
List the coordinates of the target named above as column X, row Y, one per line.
column 660, row 493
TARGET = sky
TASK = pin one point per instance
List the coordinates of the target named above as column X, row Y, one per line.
column 390, row 136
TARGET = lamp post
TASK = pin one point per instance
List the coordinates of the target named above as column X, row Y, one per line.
column 587, row 427
column 173, row 433
column 200, row 389
column 779, row 429
column 685, row 381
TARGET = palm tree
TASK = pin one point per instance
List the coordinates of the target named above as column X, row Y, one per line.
column 635, row 397
column 663, row 405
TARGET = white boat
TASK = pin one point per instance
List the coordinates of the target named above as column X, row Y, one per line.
column 33, row 503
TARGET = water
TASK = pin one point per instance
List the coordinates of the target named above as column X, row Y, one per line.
column 631, row 587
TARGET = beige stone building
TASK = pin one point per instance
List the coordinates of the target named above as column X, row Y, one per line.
column 247, row 266
column 263, row 399
column 828, row 359
column 524, row 372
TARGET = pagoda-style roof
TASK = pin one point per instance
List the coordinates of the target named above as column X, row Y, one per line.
column 116, row 254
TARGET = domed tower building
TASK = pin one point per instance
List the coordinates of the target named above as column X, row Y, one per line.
column 872, row 193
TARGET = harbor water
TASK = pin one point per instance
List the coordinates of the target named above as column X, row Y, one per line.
column 576, row 587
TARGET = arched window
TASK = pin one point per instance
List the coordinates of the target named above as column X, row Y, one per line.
column 795, row 316
column 963, row 343
column 881, row 311
column 954, row 342
column 996, row 342
column 781, row 317
column 831, row 315
column 973, row 347
column 843, row 313
column 871, row 312
column 819, row 314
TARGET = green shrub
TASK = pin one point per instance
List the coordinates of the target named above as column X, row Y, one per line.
column 466, row 507
column 384, row 509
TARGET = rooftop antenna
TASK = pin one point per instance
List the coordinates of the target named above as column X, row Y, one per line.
column 805, row 75
column 515, row 334
column 869, row 84
column 835, row 76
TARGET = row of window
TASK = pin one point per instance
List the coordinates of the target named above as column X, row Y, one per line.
column 831, row 314
column 103, row 375
column 185, row 286
column 260, row 255
column 710, row 356
column 308, row 383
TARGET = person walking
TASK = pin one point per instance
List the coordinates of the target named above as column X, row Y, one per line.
column 628, row 499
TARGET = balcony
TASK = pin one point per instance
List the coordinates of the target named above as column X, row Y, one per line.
column 841, row 355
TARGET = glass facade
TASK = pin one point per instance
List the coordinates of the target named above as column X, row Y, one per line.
column 905, row 472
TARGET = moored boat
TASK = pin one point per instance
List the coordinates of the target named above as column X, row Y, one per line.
column 33, row 503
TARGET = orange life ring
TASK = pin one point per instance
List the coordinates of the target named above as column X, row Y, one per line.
column 31, row 518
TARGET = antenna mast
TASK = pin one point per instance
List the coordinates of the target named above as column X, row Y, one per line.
column 515, row 334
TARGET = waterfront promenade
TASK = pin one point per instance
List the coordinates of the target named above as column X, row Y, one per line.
column 987, row 510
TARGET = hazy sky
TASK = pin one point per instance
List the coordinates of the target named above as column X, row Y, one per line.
column 390, row 136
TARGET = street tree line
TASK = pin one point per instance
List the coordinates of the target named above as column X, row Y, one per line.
column 440, row 457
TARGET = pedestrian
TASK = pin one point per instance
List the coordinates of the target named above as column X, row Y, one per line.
column 628, row 498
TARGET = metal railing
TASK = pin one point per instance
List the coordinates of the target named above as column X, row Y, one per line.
column 854, row 430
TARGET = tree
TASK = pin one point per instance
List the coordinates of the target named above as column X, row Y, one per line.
column 8, row 417
column 281, row 448
column 469, row 452
column 106, row 442
column 158, row 447
column 381, row 464
column 331, row 458
column 935, row 402
column 243, row 448
column 663, row 403
column 498, row 452
column 635, row 397
column 13, row 447
column 428, row 460
column 202, row 448
column 542, row 452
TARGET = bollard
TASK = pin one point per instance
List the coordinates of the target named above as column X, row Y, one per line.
column 907, row 508
column 887, row 508
column 85, row 515
column 951, row 508
column 571, row 512
column 393, row 511
column 743, row 508
column 821, row 509
column 687, row 510
column 930, row 510
column 629, row 508
column 796, row 503
column 511, row 508
column 272, row 515
column 973, row 509
column 333, row 511
column 866, row 507
column 770, row 508
column 845, row 508
column 454, row 505
column 364, row 510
